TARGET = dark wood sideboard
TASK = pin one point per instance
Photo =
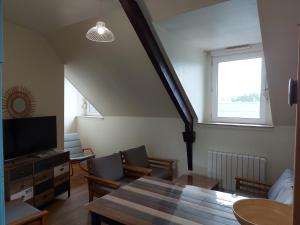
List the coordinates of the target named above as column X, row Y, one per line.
column 37, row 180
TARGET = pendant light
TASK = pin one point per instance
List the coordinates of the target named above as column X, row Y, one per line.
column 100, row 33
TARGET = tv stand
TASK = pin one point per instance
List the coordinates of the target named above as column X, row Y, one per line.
column 44, row 154
column 37, row 180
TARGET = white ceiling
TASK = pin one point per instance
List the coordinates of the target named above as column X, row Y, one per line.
column 222, row 25
column 120, row 79
column 49, row 15
column 117, row 78
column 208, row 24
column 160, row 10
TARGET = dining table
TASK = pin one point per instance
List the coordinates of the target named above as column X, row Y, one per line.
column 149, row 200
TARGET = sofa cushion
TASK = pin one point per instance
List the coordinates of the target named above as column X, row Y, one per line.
column 286, row 176
column 286, row 194
column 136, row 156
column 161, row 173
column 109, row 167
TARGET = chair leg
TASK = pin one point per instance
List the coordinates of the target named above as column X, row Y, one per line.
column 71, row 169
column 91, row 196
column 69, row 191
column 81, row 167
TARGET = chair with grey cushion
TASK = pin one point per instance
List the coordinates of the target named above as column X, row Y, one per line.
column 78, row 154
column 161, row 168
column 109, row 173
column 281, row 190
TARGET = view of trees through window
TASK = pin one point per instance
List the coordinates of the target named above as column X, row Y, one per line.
column 239, row 88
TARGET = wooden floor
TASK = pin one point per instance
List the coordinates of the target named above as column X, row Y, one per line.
column 71, row 211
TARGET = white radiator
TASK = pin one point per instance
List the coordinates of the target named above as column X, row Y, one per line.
column 224, row 167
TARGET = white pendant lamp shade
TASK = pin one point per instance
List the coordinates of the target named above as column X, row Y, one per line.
column 100, row 33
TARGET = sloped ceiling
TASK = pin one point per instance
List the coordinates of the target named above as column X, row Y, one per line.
column 119, row 79
column 279, row 21
column 160, row 10
column 46, row 16
column 274, row 24
column 217, row 26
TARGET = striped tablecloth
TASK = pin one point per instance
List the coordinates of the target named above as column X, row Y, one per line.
column 152, row 201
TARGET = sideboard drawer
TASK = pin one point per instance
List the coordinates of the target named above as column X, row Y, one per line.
column 21, row 171
column 61, row 179
column 61, row 169
column 43, row 198
column 62, row 188
column 24, row 194
column 61, row 158
column 20, row 185
column 42, row 187
column 43, row 176
column 43, row 164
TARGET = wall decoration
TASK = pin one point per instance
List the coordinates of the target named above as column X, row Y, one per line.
column 18, row 102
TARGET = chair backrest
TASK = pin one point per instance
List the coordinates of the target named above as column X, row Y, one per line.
column 136, row 156
column 108, row 167
column 72, row 143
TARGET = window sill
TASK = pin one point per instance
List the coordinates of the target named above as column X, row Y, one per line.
column 91, row 117
column 236, row 125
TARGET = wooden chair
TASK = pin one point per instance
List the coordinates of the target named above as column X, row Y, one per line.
column 252, row 187
column 78, row 154
column 108, row 173
column 161, row 168
column 281, row 190
column 21, row 213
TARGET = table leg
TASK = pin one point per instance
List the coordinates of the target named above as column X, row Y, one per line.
column 95, row 219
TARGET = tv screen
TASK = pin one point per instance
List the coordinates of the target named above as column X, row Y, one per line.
column 28, row 135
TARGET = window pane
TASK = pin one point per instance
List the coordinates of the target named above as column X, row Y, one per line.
column 239, row 88
column 92, row 109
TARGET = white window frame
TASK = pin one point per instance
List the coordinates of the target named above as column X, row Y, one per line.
column 88, row 110
column 222, row 56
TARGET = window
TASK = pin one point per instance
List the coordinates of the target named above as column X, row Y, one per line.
column 239, row 88
column 91, row 110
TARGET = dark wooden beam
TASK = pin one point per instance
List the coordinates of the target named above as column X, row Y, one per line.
column 143, row 29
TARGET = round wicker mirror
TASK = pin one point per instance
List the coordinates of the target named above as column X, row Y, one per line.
column 18, row 102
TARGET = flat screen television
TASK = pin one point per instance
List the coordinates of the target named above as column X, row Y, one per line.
column 28, row 135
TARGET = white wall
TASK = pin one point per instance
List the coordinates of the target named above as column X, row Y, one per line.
column 73, row 107
column 163, row 138
column 29, row 61
column 190, row 64
column 280, row 33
